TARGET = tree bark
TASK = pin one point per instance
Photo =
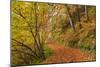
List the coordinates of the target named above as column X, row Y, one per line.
column 78, row 15
column 86, row 13
column 70, row 19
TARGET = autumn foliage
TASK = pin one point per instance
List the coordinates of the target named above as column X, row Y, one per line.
column 41, row 30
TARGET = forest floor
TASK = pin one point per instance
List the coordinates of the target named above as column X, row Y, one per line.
column 62, row 54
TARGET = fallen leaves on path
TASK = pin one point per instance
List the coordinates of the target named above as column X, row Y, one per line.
column 62, row 54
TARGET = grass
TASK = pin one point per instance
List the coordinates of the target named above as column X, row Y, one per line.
column 89, row 47
column 73, row 43
column 36, row 61
column 47, row 53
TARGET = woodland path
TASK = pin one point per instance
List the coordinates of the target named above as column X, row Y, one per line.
column 62, row 54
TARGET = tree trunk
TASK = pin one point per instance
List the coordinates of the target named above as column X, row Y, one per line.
column 78, row 15
column 70, row 19
column 37, row 35
column 86, row 13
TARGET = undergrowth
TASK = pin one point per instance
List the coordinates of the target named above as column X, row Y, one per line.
column 47, row 53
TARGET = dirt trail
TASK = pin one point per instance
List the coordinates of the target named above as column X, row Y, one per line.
column 63, row 54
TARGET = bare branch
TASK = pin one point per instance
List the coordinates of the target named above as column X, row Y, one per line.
column 22, row 44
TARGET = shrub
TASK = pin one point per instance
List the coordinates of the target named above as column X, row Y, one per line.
column 47, row 51
column 73, row 42
column 88, row 46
